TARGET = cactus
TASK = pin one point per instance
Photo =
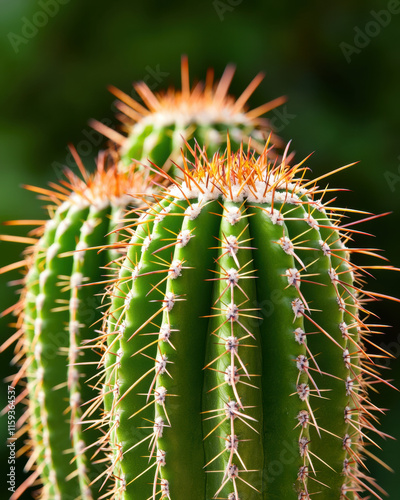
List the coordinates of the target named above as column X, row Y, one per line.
column 204, row 113
column 234, row 363
column 58, row 313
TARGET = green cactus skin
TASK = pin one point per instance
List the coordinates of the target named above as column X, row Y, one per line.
column 60, row 314
column 234, row 360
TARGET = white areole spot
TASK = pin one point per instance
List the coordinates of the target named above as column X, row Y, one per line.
column 158, row 426
column 346, row 358
column 193, row 211
column 160, row 394
column 302, row 363
column 299, row 335
column 40, row 299
column 39, row 374
column 161, row 364
column 76, row 279
column 303, row 473
column 120, row 353
column 349, row 386
column 298, row 308
column 232, row 496
column 231, row 378
column 88, row 227
column 161, row 215
column 318, row 205
column 293, row 277
column 303, row 391
column 175, row 269
column 344, row 329
column 231, row 244
column 135, row 271
column 38, row 326
column 333, row 275
column 74, row 304
column 146, row 243
column 303, row 446
column 165, row 332
column 128, row 298
column 63, row 226
column 164, row 488
column 232, row 276
column 231, row 409
column 287, row 245
column 275, row 216
column 44, row 275
column 183, row 238
column 233, row 215
column 311, row 221
column 232, row 344
column 346, row 442
column 53, row 251
column 122, row 327
column 169, row 300
column 232, row 471
column 341, row 303
column 74, row 327
column 79, row 255
column 304, row 418
column 75, row 399
column 231, row 442
column 161, row 457
column 38, row 351
column 232, row 312
column 50, row 225
column 326, row 249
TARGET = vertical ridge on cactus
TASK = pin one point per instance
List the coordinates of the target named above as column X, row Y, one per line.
column 234, row 359
column 58, row 311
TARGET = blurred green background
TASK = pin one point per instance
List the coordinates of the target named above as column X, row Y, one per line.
column 338, row 62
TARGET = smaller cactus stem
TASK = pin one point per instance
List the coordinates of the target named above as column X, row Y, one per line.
column 51, row 338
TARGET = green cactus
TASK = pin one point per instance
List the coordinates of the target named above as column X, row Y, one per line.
column 234, row 359
column 204, row 113
column 59, row 313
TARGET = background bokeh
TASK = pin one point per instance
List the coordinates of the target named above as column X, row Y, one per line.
column 338, row 63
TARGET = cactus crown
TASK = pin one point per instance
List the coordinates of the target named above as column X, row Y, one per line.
column 173, row 116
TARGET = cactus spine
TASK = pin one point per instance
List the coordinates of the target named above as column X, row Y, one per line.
column 234, row 360
column 59, row 313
